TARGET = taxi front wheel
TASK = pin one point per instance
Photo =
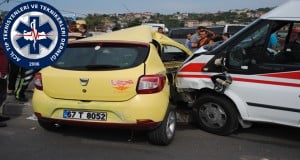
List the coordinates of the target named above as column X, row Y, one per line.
column 164, row 134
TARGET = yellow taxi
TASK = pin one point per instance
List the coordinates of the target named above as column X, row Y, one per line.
column 118, row 79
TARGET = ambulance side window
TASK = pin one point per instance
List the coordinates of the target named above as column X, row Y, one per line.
column 283, row 48
column 286, row 52
column 244, row 54
column 271, row 47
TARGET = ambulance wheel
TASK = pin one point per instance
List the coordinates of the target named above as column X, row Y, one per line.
column 216, row 114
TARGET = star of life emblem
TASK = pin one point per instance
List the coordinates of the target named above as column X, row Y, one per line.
column 34, row 35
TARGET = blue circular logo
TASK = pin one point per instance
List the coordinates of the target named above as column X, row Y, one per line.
column 34, row 35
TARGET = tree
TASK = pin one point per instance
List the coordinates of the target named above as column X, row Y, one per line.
column 3, row 14
column 134, row 22
column 94, row 21
column 173, row 23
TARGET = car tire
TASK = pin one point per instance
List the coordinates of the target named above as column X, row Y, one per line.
column 164, row 134
column 216, row 114
column 49, row 126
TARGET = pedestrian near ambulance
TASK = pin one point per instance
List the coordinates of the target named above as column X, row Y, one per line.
column 188, row 43
column 160, row 30
column 205, row 38
column 196, row 37
column 225, row 36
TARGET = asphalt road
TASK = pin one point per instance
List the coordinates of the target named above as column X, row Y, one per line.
column 23, row 139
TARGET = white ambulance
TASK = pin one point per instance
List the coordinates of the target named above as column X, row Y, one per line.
column 252, row 77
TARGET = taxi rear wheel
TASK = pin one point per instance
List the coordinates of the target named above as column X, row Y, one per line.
column 164, row 134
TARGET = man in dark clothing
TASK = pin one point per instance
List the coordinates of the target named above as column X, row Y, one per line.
column 26, row 78
column 13, row 73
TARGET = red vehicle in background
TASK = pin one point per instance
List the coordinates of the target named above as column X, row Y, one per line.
column 283, row 34
column 295, row 32
column 3, row 75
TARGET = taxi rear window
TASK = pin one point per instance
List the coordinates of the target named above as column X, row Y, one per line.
column 102, row 57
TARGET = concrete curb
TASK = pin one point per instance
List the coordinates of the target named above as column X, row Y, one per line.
column 12, row 107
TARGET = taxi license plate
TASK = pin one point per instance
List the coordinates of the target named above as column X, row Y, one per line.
column 99, row 116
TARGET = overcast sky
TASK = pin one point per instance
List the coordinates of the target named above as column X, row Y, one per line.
column 160, row 6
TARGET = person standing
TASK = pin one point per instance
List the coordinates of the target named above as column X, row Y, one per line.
column 73, row 27
column 74, row 33
column 26, row 78
column 14, row 71
column 160, row 30
column 23, row 83
column 83, row 30
column 188, row 43
column 195, row 39
column 225, row 36
column 205, row 38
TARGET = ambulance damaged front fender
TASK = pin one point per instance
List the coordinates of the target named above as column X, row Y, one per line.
column 191, row 76
column 194, row 68
column 194, row 79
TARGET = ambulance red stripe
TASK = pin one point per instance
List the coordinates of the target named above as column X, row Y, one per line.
column 245, row 80
column 289, row 75
column 193, row 67
column 267, row 82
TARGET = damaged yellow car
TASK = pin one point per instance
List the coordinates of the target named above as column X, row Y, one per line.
column 119, row 79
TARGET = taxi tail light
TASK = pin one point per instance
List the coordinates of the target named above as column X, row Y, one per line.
column 38, row 81
column 149, row 84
